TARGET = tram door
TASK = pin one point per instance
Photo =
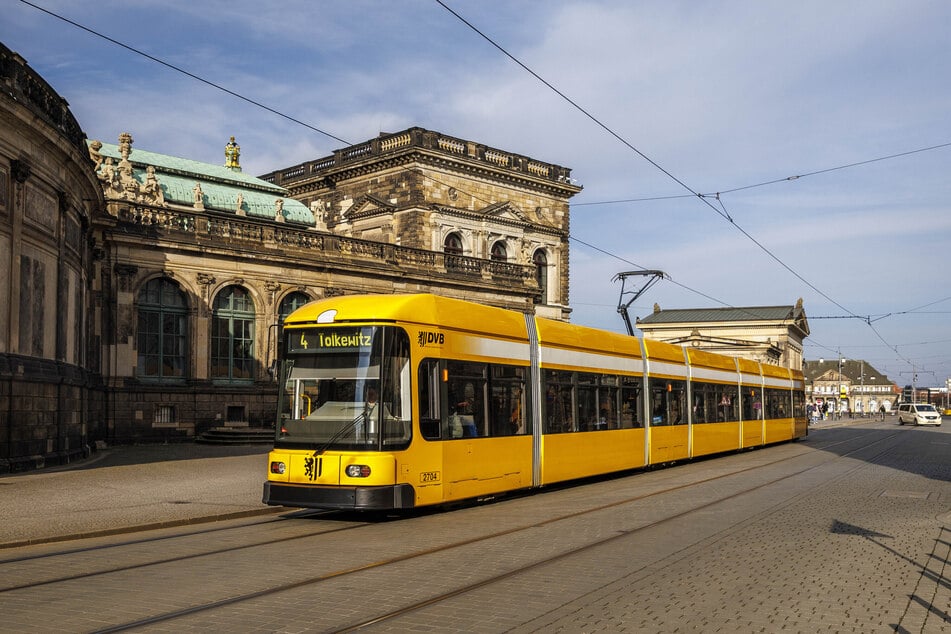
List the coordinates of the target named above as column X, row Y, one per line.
column 486, row 444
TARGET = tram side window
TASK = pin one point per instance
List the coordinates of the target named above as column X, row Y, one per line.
column 507, row 416
column 726, row 403
column 558, row 414
column 752, row 403
column 699, row 405
column 631, row 402
column 429, row 412
column 709, row 404
column 584, row 401
column 587, row 399
column 799, row 403
column 467, row 398
column 608, row 412
column 667, row 402
column 776, row 406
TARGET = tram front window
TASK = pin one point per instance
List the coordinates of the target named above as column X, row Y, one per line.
column 345, row 388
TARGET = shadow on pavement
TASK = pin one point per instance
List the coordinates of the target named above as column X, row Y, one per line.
column 120, row 455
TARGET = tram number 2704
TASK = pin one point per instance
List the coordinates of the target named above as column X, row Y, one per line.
column 429, row 476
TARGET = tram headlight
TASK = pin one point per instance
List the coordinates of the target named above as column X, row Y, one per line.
column 278, row 467
column 358, row 471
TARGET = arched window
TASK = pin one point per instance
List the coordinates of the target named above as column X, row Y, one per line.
column 453, row 244
column 232, row 335
column 162, row 336
column 289, row 304
column 498, row 252
column 540, row 260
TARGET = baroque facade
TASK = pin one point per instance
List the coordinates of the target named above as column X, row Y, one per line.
column 50, row 391
column 477, row 206
column 146, row 290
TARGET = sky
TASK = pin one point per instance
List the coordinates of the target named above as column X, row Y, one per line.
column 757, row 152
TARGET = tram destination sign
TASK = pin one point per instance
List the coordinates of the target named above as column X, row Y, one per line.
column 330, row 339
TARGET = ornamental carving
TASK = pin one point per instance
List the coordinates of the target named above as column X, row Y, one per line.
column 117, row 179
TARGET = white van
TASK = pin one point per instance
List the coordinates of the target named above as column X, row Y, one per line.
column 918, row 414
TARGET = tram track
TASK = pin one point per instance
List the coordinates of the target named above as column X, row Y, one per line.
column 458, row 544
column 403, row 611
column 160, row 561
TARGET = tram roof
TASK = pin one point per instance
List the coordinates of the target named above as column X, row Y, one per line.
column 422, row 308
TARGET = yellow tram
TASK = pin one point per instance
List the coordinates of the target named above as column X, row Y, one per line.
column 400, row 401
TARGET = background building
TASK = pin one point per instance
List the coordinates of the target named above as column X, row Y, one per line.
column 848, row 385
column 199, row 263
column 500, row 216
column 145, row 291
column 769, row 334
column 50, row 393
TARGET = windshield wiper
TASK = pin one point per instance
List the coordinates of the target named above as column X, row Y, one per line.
column 340, row 432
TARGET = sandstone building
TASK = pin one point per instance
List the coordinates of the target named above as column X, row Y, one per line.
column 488, row 212
column 145, row 290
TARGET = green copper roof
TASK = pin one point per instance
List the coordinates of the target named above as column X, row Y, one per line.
column 221, row 186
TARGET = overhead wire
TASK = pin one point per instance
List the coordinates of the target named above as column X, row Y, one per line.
column 769, row 182
column 722, row 211
column 184, row 72
column 274, row 111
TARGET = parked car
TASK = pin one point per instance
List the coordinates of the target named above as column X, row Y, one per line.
column 918, row 414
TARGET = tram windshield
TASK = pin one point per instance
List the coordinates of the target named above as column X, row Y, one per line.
column 345, row 388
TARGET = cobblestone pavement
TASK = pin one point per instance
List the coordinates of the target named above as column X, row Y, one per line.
column 846, row 531
column 132, row 486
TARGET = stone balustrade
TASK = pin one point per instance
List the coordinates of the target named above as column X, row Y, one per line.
column 27, row 87
column 261, row 236
column 424, row 140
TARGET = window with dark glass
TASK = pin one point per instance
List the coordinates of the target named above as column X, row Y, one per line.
column 752, row 403
column 608, row 411
column 466, row 388
column 462, row 399
column 727, row 403
column 162, row 341
column 429, row 399
column 631, row 402
column 558, row 402
column 667, row 402
column 346, row 387
column 540, row 260
column 584, row 401
column 453, row 244
column 507, row 410
column 709, row 404
column 778, row 403
column 499, row 253
column 289, row 304
column 232, row 335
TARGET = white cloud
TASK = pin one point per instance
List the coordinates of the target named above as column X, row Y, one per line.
column 721, row 95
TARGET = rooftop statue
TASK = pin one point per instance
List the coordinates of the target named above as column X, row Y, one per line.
column 233, row 155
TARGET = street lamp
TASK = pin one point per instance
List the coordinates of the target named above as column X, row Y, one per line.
column 838, row 401
column 862, row 389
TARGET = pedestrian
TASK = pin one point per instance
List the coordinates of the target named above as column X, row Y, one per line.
column 881, row 411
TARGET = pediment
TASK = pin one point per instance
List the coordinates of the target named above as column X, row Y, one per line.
column 504, row 211
column 369, row 205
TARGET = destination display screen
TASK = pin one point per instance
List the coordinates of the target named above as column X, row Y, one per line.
column 322, row 340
